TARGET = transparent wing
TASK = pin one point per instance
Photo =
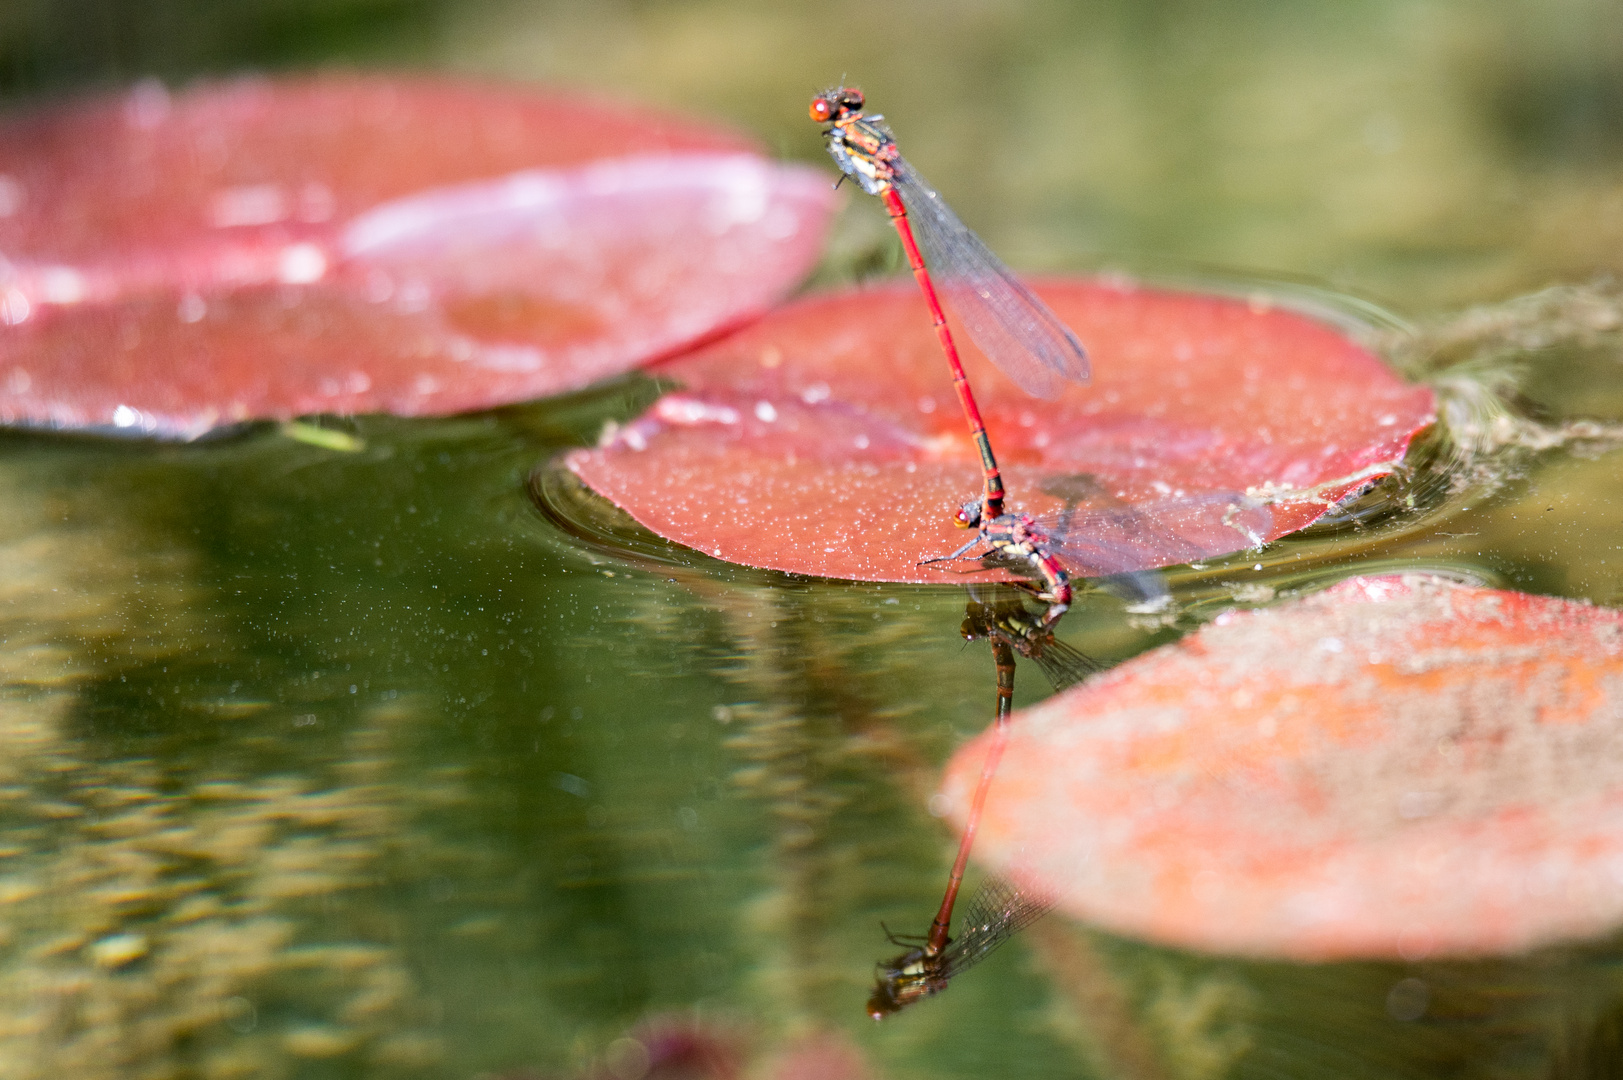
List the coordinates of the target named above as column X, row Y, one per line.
column 1063, row 664
column 999, row 611
column 1142, row 589
column 1015, row 330
column 996, row 912
column 1168, row 532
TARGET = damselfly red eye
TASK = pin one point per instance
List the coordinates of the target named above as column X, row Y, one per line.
column 822, row 110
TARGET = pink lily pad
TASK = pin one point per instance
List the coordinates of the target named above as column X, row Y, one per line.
column 826, row 439
column 264, row 249
column 1396, row 767
column 205, row 187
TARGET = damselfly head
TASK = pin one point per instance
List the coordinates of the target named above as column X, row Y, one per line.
column 908, row 978
column 837, row 103
column 882, row 1002
column 1010, row 622
column 968, row 515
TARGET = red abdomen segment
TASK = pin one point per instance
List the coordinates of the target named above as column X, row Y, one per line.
column 1058, row 593
column 994, row 480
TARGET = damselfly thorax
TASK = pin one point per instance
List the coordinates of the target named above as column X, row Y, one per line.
column 863, row 148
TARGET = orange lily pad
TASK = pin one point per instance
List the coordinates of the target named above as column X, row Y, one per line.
column 1396, row 767
column 825, row 439
column 347, row 244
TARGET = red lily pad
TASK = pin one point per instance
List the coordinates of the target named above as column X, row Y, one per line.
column 204, row 187
column 1399, row 766
column 826, row 439
column 421, row 246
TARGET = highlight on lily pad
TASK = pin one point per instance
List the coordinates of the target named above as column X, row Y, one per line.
column 345, row 244
column 1397, row 767
column 826, row 438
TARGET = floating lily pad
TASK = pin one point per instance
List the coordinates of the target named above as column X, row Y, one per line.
column 205, row 186
column 1396, row 767
column 826, row 439
column 263, row 249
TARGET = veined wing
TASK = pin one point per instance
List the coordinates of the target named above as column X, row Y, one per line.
column 999, row 611
column 996, row 912
column 1167, row 532
column 1005, row 319
column 1063, row 664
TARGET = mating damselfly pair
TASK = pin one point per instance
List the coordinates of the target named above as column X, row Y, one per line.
column 1033, row 346
column 1018, row 332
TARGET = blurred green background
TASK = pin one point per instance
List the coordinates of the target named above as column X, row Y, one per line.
column 1419, row 152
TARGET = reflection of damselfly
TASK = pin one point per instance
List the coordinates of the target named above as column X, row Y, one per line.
column 1006, row 619
column 1102, row 542
column 996, row 912
column 999, row 909
column 1092, row 542
column 1015, row 330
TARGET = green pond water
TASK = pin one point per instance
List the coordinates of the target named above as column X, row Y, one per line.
column 322, row 762
column 327, row 763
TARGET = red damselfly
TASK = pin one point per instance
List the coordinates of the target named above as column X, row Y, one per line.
column 999, row 909
column 1015, row 330
column 1109, row 541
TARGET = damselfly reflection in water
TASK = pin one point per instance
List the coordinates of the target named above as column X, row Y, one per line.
column 999, row 909
column 999, row 616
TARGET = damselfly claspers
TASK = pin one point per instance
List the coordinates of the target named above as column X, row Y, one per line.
column 1114, row 540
